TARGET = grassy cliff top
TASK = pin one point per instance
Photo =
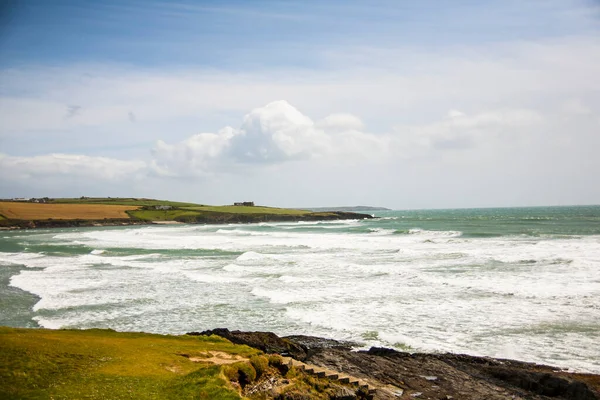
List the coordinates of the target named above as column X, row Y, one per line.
column 104, row 364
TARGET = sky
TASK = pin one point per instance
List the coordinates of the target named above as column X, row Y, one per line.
column 401, row 104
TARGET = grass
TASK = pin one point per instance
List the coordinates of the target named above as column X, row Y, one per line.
column 101, row 208
column 162, row 215
column 40, row 211
column 249, row 210
column 208, row 213
column 103, row 364
column 125, row 201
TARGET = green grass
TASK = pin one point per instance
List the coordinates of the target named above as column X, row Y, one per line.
column 194, row 213
column 103, row 364
column 249, row 210
column 160, row 215
column 191, row 214
column 124, row 201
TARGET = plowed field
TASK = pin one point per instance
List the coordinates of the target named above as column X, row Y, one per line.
column 35, row 211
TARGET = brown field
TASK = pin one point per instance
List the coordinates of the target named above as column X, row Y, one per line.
column 36, row 211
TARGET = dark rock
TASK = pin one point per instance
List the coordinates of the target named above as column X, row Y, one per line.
column 457, row 376
column 314, row 342
column 265, row 341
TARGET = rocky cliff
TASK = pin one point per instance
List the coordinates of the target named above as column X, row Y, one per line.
column 392, row 374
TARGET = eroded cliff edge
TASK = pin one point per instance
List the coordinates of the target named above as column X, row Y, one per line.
column 427, row 376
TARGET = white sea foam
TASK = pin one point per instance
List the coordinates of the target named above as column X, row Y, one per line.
column 382, row 231
column 426, row 290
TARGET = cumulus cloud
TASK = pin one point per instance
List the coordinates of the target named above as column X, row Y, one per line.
column 195, row 155
column 340, row 122
column 65, row 165
column 461, row 131
column 279, row 133
column 275, row 133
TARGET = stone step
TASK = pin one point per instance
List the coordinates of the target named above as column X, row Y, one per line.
column 319, row 373
column 333, row 375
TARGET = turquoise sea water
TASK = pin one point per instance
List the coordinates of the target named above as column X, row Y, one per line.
column 518, row 283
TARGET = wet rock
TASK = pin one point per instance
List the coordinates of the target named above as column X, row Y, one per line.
column 314, row 342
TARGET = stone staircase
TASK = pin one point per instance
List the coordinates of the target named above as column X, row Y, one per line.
column 335, row 376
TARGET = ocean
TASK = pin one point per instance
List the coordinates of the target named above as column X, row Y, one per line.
column 520, row 283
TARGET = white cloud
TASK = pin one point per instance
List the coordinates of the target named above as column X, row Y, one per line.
column 195, row 155
column 68, row 165
column 340, row 122
column 519, row 113
column 272, row 134
column 455, row 114
column 461, row 131
column 576, row 106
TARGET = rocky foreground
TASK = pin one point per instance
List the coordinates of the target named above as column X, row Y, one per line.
column 390, row 374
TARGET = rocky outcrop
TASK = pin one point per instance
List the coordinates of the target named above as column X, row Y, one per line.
column 233, row 218
column 265, row 341
column 391, row 374
column 298, row 347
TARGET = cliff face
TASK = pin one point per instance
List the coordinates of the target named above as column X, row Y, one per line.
column 204, row 218
column 217, row 218
column 399, row 375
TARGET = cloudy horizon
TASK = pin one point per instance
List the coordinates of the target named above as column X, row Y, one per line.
column 309, row 104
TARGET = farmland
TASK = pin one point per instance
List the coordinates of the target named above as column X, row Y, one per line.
column 40, row 211
column 99, row 211
column 124, row 201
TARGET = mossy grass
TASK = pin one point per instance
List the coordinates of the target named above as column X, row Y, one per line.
column 103, row 364
column 260, row 364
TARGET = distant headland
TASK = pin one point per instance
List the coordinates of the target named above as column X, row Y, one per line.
column 48, row 212
column 348, row 208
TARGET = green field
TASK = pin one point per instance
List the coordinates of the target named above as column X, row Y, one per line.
column 103, row 364
column 248, row 210
column 125, row 201
column 162, row 215
column 88, row 211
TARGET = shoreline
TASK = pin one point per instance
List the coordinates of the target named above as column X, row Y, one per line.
column 212, row 219
column 262, row 365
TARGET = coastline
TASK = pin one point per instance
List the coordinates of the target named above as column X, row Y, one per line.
column 223, row 364
column 205, row 219
column 397, row 374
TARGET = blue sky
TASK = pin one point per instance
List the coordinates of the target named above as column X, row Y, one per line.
column 467, row 103
column 215, row 33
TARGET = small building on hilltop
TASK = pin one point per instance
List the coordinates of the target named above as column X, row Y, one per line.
column 245, row 204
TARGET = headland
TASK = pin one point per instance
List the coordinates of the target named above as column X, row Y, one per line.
column 105, row 211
